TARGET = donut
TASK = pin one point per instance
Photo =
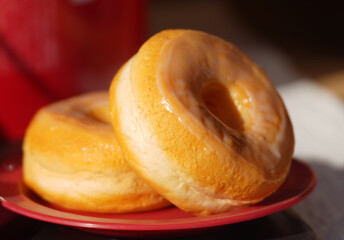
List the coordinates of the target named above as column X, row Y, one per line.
column 71, row 159
column 201, row 123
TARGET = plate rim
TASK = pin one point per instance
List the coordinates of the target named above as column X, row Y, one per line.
column 169, row 224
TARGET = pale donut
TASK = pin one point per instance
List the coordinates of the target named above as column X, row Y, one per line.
column 72, row 159
column 201, row 123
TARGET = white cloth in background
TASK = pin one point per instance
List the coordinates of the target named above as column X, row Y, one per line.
column 318, row 119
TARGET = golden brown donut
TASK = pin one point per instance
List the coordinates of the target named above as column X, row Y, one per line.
column 72, row 159
column 201, row 123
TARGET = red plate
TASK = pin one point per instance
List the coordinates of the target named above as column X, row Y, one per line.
column 14, row 196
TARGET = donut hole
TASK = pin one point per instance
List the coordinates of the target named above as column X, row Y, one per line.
column 100, row 113
column 220, row 104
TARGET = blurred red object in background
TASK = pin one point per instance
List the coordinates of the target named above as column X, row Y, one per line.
column 54, row 49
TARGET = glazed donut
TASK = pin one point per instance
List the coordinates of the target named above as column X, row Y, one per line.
column 201, row 123
column 71, row 158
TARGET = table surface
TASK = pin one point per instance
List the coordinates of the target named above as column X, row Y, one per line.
column 283, row 225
